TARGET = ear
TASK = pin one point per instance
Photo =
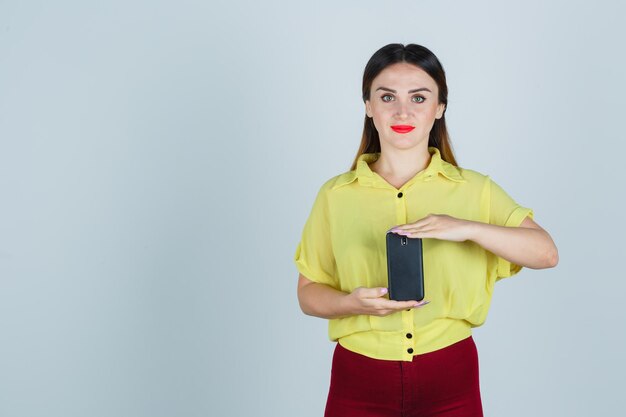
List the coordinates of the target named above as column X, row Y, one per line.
column 440, row 109
column 368, row 109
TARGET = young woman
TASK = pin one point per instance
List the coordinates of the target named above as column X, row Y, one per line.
column 409, row 358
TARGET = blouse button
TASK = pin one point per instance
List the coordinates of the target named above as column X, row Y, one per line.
column 409, row 335
column 410, row 350
column 400, row 195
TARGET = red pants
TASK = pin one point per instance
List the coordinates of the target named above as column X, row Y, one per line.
column 440, row 383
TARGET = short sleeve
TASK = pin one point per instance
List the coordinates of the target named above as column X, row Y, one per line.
column 314, row 255
column 505, row 211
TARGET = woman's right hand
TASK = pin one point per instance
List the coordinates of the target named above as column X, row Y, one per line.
column 371, row 301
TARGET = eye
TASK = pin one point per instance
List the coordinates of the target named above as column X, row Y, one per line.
column 420, row 99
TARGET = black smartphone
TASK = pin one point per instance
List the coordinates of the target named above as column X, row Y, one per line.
column 405, row 268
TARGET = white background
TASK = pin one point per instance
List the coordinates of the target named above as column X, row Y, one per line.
column 158, row 161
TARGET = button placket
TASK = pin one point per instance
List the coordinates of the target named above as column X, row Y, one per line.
column 407, row 315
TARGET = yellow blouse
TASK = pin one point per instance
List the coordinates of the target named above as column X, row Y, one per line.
column 343, row 245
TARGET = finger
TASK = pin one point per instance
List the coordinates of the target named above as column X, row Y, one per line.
column 420, row 303
column 399, row 305
column 412, row 226
column 374, row 292
column 417, row 224
column 416, row 232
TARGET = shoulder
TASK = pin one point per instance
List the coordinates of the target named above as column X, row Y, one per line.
column 469, row 176
column 338, row 180
column 330, row 184
column 481, row 180
column 472, row 175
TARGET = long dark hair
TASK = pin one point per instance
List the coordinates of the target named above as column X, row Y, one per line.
column 423, row 58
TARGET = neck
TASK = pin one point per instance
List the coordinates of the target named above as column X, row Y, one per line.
column 398, row 163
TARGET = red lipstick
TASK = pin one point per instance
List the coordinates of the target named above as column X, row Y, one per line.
column 402, row 128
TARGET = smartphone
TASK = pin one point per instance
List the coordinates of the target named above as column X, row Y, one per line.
column 405, row 268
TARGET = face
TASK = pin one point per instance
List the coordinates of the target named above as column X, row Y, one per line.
column 394, row 101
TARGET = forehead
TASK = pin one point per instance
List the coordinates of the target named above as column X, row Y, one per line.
column 404, row 76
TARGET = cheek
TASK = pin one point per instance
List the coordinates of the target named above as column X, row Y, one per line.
column 382, row 115
column 428, row 113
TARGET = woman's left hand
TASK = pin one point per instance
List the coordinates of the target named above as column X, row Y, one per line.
column 437, row 226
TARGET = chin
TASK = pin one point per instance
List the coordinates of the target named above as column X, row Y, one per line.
column 402, row 143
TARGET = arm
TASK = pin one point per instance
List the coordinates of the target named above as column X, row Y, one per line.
column 528, row 245
column 321, row 300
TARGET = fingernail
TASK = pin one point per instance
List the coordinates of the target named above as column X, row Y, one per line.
column 383, row 290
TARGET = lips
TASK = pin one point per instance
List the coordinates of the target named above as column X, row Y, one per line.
column 402, row 128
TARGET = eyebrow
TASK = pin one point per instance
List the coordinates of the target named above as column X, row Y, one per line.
column 410, row 91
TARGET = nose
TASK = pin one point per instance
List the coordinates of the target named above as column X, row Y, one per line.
column 402, row 111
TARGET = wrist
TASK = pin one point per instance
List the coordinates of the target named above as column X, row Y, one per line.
column 472, row 229
column 345, row 307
